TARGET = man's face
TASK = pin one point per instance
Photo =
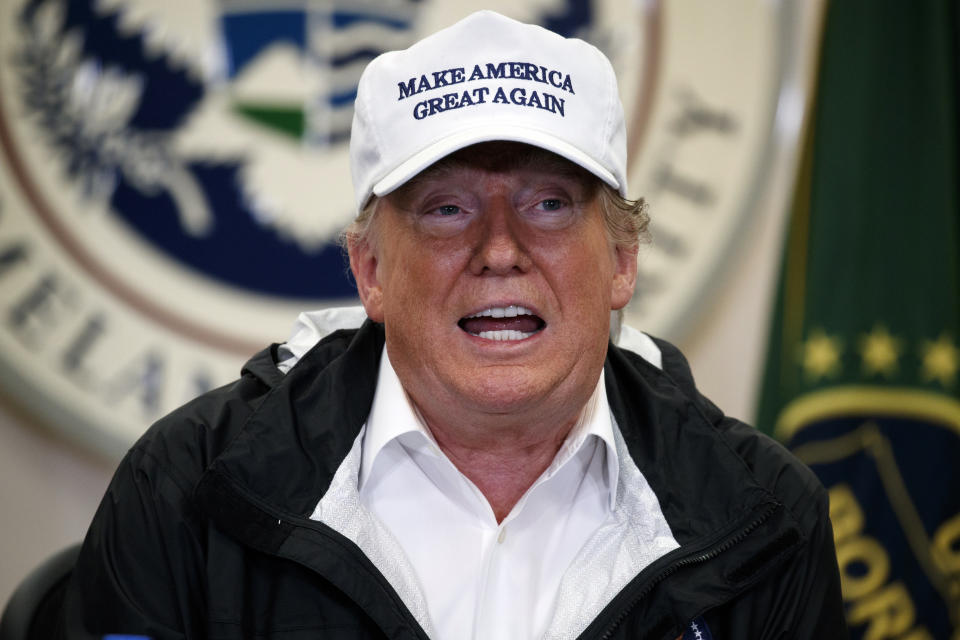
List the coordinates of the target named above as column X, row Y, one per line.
column 494, row 284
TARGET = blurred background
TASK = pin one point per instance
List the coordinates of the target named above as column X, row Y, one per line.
column 173, row 176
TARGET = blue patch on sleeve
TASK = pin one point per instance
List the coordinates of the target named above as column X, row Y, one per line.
column 698, row 630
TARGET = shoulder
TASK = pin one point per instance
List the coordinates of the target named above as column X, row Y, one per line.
column 778, row 470
column 182, row 444
column 186, row 441
column 671, row 387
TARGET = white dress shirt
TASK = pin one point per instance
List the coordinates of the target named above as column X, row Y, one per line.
column 482, row 579
column 589, row 524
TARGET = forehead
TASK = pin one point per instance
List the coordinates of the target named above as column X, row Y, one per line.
column 502, row 157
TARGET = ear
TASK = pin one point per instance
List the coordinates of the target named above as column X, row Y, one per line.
column 363, row 264
column 624, row 276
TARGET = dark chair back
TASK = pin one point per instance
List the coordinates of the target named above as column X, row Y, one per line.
column 32, row 612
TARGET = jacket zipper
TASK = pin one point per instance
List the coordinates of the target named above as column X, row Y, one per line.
column 699, row 558
column 349, row 547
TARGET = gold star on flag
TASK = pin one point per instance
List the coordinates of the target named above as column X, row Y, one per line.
column 940, row 360
column 879, row 351
column 821, row 355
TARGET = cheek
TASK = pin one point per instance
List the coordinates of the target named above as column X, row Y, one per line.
column 587, row 276
column 415, row 284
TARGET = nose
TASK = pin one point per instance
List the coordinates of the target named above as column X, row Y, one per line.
column 500, row 248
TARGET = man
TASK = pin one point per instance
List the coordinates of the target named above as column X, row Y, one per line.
column 475, row 460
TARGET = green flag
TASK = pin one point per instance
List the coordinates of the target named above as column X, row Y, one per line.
column 862, row 379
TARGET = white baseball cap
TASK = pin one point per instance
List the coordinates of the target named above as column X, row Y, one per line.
column 485, row 78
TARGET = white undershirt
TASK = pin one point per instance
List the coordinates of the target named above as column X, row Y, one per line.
column 481, row 579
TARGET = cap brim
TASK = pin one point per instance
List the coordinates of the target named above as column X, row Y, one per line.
column 488, row 133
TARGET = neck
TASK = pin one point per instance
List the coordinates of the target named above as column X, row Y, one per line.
column 502, row 462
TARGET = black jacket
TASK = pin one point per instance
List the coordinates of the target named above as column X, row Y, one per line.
column 204, row 531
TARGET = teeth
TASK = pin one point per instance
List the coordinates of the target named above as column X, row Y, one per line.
column 507, row 334
column 503, row 312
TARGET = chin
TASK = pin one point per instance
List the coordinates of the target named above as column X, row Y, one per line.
column 507, row 394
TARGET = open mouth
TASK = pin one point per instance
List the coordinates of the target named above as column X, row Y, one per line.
column 508, row 323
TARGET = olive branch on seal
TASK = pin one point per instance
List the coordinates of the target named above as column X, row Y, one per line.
column 84, row 110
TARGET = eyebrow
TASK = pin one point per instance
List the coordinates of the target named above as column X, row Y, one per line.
column 536, row 159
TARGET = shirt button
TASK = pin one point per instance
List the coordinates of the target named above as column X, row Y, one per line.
column 502, row 536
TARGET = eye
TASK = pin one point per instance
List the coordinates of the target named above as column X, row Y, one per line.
column 551, row 209
column 442, row 219
column 448, row 210
column 552, row 204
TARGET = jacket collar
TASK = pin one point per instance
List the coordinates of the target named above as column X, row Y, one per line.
column 263, row 486
column 676, row 442
column 290, row 448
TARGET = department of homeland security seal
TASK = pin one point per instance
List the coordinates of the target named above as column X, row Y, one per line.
column 173, row 176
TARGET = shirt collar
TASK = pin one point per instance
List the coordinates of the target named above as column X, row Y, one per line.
column 393, row 414
column 594, row 420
